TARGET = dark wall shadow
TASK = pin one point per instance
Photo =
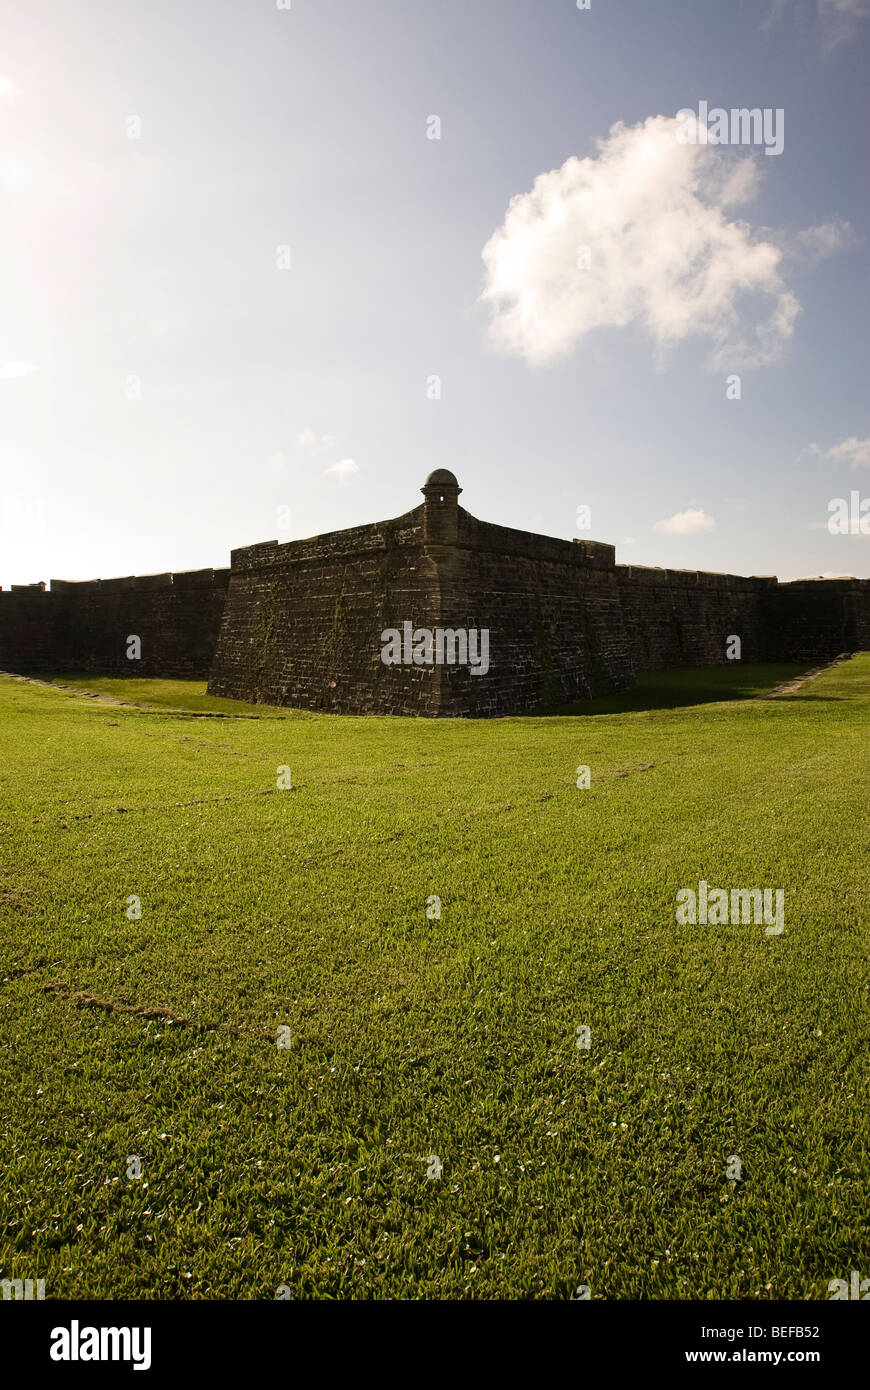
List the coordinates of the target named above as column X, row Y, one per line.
column 696, row 685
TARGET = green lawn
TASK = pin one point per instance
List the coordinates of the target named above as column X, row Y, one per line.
column 306, row 908
column 186, row 696
column 653, row 690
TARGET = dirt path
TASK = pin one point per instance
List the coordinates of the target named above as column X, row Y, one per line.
column 143, row 706
column 791, row 686
column 71, row 690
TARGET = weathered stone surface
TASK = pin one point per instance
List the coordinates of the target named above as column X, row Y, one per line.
column 301, row 623
column 85, row 626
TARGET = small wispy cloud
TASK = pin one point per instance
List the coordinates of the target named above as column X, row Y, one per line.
column 8, row 89
column 839, row 20
column 316, row 444
column 13, row 369
column 854, row 451
column 689, row 523
column 817, row 243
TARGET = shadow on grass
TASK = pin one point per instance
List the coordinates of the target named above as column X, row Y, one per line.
column 167, row 695
column 701, row 685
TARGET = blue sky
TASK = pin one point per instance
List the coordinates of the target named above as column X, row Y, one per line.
column 170, row 388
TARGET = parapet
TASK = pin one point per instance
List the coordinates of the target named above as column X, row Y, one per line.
column 195, row 579
column 652, row 575
column 184, row 579
column 487, row 535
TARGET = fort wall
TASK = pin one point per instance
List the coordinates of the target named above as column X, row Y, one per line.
column 556, row 627
column 814, row 620
column 301, row 623
column 685, row 617
column 85, row 626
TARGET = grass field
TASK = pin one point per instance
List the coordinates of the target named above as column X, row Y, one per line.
column 414, row 1038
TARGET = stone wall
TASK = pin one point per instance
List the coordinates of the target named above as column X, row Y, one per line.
column 555, row 622
column 304, row 621
column 815, row 620
column 301, row 623
column 85, row 626
column 685, row 617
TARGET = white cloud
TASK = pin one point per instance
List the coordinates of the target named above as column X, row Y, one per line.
column 777, row 9
column 847, row 9
column 13, row 369
column 838, row 19
column 661, row 252
column 741, row 184
column 854, row 451
column 345, row 468
column 628, row 540
column 8, row 89
column 826, row 239
column 688, row 523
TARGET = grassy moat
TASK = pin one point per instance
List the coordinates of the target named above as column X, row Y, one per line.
column 411, row 1037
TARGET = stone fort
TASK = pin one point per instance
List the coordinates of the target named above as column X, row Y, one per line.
column 302, row 623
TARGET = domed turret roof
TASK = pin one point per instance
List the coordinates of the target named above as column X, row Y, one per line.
column 442, row 477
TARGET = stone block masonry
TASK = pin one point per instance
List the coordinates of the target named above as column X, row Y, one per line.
column 303, row 623
column 304, row 620
column 684, row 617
column 85, row 626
